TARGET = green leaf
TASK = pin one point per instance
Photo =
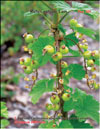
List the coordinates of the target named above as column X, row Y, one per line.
column 62, row 6
column 77, row 124
column 71, row 40
column 47, row 124
column 38, row 46
column 42, row 86
column 84, row 7
column 77, row 71
column 60, row 27
column 65, row 124
column 31, row 13
column 97, row 62
column 86, row 31
column 69, row 105
column 74, row 52
column 4, row 112
column 4, row 123
column 86, row 106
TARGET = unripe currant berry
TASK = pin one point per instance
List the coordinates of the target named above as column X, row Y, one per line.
column 28, row 38
column 21, row 61
column 79, row 25
column 25, row 48
column 28, row 70
column 33, row 78
column 56, row 107
column 67, row 73
column 80, row 45
column 27, row 61
column 93, row 69
column 87, row 54
column 96, row 86
column 64, row 49
column 49, row 49
column 94, row 76
column 34, row 64
column 57, row 56
column 90, row 62
column 26, row 79
column 54, row 99
column 85, row 46
column 64, row 64
column 73, row 22
column 66, row 96
column 49, row 107
column 95, row 54
column 84, row 40
column 80, row 36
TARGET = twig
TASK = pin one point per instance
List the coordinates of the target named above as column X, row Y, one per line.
column 63, row 17
column 84, row 61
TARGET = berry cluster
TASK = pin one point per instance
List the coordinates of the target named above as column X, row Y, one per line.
column 56, row 55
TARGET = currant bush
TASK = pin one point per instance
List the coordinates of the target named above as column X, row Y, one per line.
column 54, row 48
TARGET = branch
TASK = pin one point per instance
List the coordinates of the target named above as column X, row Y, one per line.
column 63, row 17
column 80, row 50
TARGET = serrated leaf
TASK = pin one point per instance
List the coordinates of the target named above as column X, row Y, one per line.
column 86, row 106
column 4, row 112
column 62, row 6
column 31, row 13
column 77, row 124
column 60, row 27
column 65, row 124
column 71, row 40
column 86, row 31
column 42, row 86
column 4, row 123
column 74, row 52
column 69, row 105
column 38, row 46
column 76, row 71
column 85, row 7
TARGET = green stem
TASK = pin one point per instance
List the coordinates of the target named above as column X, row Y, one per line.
column 63, row 17
column 42, row 32
column 46, row 5
column 46, row 18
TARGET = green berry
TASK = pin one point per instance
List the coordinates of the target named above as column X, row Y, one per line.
column 21, row 61
column 49, row 49
column 64, row 49
column 87, row 54
column 49, row 107
column 28, row 70
column 66, row 97
column 54, row 99
column 34, row 64
column 56, row 107
column 57, row 56
column 85, row 46
column 90, row 62
column 27, row 61
column 73, row 22
column 29, row 38
column 64, row 64
column 79, row 25
column 95, row 54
